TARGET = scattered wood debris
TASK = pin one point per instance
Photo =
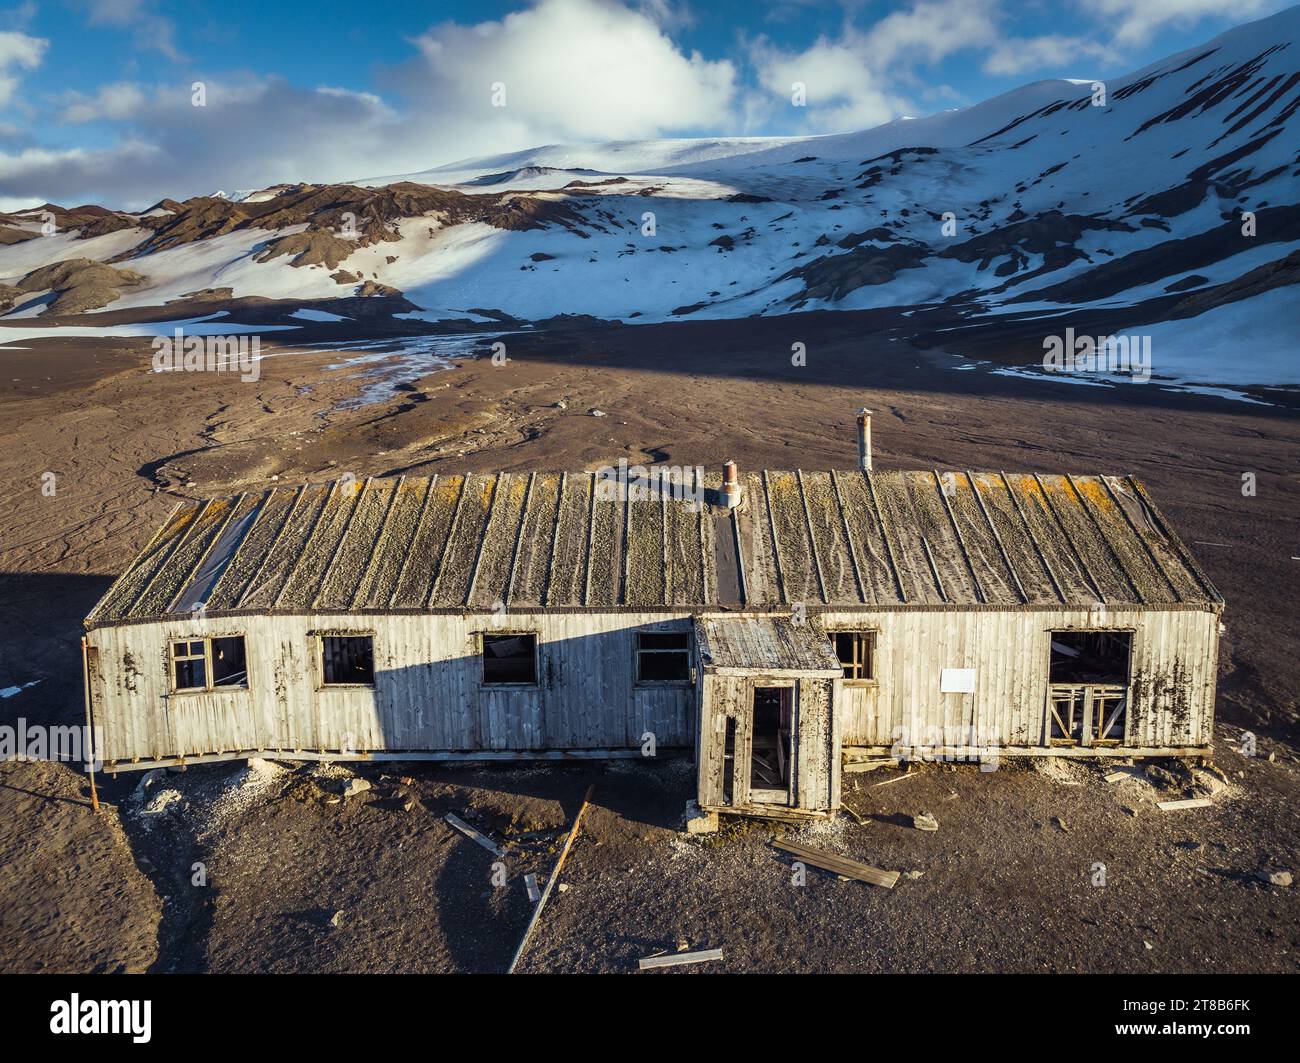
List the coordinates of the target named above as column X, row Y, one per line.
column 1195, row 802
column 925, row 821
column 679, row 959
column 839, row 865
column 474, row 835
column 869, row 764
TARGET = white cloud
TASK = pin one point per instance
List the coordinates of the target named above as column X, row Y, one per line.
column 856, row 80
column 1015, row 55
column 115, row 102
column 842, row 89
column 152, row 31
column 572, row 70
column 253, row 132
column 1134, row 22
column 18, row 52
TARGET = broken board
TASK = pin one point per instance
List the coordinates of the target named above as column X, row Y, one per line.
column 840, row 865
column 1195, row 802
column 679, row 958
column 474, row 835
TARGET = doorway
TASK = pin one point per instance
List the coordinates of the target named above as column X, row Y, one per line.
column 769, row 754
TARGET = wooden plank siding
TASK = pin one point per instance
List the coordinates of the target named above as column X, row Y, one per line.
column 428, row 693
column 1172, row 663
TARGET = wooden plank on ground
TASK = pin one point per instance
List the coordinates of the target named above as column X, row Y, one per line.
column 679, row 958
column 1195, row 802
column 555, row 875
column 897, row 778
column 840, row 865
column 474, row 835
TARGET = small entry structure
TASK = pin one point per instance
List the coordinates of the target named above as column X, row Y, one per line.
column 766, row 690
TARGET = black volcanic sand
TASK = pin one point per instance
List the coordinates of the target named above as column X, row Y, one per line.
column 1003, row 887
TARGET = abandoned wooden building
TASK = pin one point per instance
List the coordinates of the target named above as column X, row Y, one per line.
column 786, row 623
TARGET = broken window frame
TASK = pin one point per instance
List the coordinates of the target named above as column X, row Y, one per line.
column 687, row 650
column 210, row 685
column 1097, row 707
column 872, row 638
column 490, row 684
column 322, row 683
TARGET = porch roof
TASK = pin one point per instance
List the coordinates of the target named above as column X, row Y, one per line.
column 763, row 644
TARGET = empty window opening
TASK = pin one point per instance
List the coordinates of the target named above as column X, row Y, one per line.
column 208, row 664
column 347, row 660
column 769, row 756
column 857, row 653
column 663, row 657
column 729, row 763
column 1090, row 657
column 509, row 660
column 1088, row 695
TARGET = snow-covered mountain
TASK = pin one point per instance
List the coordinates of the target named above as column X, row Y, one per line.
column 1167, row 194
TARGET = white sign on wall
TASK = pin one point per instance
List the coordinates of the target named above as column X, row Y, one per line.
column 957, row 681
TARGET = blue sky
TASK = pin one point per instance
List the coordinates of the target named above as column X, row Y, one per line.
column 96, row 98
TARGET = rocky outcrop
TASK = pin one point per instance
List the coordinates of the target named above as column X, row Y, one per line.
column 79, row 284
column 834, row 276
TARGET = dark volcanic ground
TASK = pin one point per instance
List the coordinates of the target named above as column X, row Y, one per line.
column 1003, row 888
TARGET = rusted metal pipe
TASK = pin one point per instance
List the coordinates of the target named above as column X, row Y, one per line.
column 90, row 726
column 730, row 485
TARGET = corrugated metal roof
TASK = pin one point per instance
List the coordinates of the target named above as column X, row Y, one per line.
column 551, row 540
column 763, row 643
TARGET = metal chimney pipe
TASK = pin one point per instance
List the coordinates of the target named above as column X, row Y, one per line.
column 730, row 485
column 864, row 439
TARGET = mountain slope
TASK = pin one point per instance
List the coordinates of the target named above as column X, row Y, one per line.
column 1036, row 202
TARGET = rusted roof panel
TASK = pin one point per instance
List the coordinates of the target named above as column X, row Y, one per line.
column 525, row 540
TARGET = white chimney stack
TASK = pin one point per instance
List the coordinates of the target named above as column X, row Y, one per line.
column 864, row 439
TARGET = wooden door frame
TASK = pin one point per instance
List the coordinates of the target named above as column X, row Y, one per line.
column 745, row 737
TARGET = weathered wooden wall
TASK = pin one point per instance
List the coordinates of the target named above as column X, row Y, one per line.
column 427, row 693
column 1174, row 658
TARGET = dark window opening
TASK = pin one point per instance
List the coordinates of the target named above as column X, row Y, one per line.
column 222, row 659
column 769, row 753
column 1090, row 657
column 857, row 653
column 348, row 660
column 509, row 660
column 729, row 763
column 663, row 657
column 229, row 667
